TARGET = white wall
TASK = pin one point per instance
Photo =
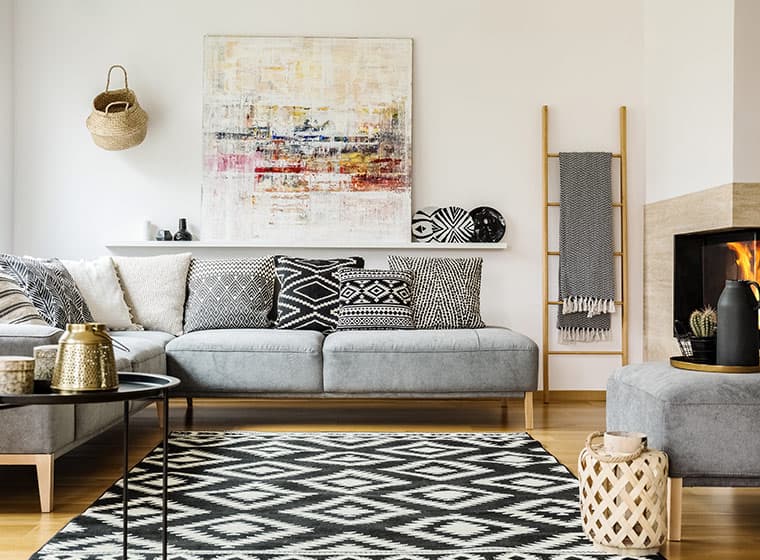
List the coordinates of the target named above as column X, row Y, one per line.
column 746, row 91
column 6, row 125
column 689, row 99
column 482, row 69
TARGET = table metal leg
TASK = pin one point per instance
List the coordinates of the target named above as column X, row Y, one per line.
column 124, row 483
column 165, row 473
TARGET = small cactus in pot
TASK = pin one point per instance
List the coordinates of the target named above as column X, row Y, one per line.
column 703, row 324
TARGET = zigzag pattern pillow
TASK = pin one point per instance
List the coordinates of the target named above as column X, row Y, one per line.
column 15, row 307
column 308, row 296
column 445, row 291
column 49, row 286
column 375, row 299
column 229, row 294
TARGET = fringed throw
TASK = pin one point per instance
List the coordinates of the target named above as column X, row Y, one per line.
column 586, row 263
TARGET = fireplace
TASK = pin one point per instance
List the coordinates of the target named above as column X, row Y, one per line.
column 702, row 262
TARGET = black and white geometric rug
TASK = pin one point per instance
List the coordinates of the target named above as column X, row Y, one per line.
column 347, row 496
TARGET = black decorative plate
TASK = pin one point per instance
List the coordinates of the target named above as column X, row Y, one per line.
column 490, row 225
column 452, row 224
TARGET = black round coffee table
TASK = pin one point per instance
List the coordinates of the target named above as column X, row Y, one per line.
column 132, row 386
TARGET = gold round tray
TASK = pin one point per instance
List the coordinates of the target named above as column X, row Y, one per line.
column 684, row 362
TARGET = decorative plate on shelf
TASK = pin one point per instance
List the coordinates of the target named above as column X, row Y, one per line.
column 452, row 224
column 490, row 225
column 423, row 228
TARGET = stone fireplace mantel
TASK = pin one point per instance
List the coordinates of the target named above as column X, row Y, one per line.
column 732, row 206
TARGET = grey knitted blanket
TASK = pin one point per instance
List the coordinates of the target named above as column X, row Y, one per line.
column 586, row 263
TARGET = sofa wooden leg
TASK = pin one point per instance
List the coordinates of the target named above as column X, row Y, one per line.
column 528, row 403
column 675, row 493
column 45, row 464
column 160, row 412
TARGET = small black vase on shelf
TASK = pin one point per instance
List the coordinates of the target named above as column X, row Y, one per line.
column 182, row 233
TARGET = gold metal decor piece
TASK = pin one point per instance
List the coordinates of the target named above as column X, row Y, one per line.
column 85, row 360
column 684, row 362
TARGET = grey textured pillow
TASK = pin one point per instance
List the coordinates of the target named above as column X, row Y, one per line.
column 229, row 294
column 375, row 299
column 50, row 287
column 445, row 291
column 15, row 307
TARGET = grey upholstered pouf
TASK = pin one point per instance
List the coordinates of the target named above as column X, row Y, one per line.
column 707, row 423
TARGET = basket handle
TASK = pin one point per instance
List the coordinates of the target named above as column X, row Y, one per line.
column 108, row 80
column 125, row 103
column 611, row 458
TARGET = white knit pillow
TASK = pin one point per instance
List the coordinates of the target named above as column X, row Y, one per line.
column 99, row 286
column 155, row 289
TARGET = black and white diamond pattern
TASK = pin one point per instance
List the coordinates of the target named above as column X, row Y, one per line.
column 229, row 294
column 375, row 299
column 308, row 296
column 310, row 502
column 452, row 224
column 49, row 287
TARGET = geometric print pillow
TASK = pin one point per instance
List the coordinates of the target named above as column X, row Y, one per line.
column 375, row 299
column 50, row 287
column 445, row 291
column 308, row 296
column 229, row 294
column 15, row 307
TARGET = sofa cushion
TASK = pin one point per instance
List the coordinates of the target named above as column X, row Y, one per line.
column 99, row 285
column 20, row 340
column 375, row 299
column 36, row 428
column 445, row 291
column 155, row 289
column 705, row 422
column 308, row 294
column 247, row 361
column 15, row 307
column 146, row 351
column 488, row 360
column 50, row 287
column 229, row 294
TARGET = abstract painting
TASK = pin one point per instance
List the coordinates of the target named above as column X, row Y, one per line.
column 307, row 139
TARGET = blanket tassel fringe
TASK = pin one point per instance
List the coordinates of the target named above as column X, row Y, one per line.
column 590, row 305
column 583, row 335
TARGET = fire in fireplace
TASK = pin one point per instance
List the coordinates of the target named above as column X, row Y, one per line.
column 704, row 261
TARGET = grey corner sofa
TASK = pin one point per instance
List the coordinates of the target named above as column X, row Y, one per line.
column 707, row 423
column 487, row 363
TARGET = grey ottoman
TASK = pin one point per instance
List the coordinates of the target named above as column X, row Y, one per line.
column 707, row 423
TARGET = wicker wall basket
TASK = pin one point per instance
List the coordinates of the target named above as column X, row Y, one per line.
column 117, row 121
column 623, row 498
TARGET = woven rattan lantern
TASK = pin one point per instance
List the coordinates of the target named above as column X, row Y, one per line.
column 623, row 498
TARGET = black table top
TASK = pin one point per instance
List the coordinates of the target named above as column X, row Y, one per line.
column 131, row 386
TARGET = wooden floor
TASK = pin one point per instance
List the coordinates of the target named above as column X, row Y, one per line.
column 718, row 522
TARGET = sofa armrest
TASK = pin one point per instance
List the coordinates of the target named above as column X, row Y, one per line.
column 20, row 340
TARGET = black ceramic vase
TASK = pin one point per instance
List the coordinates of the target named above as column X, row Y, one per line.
column 737, row 324
column 182, row 233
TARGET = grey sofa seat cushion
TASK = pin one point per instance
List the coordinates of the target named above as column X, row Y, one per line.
column 707, row 423
column 488, row 360
column 146, row 351
column 20, row 340
column 247, row 361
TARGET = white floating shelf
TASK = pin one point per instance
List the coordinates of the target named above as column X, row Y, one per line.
column 323, row 245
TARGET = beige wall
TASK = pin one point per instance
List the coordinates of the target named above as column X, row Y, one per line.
column 747, row 91
column 6, row 124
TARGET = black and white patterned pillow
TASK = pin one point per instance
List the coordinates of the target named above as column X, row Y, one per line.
column 308, row 295
column 15, row 307
column 229, row 294
column 375, row 299
column 445, row 291
column 50, row 287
